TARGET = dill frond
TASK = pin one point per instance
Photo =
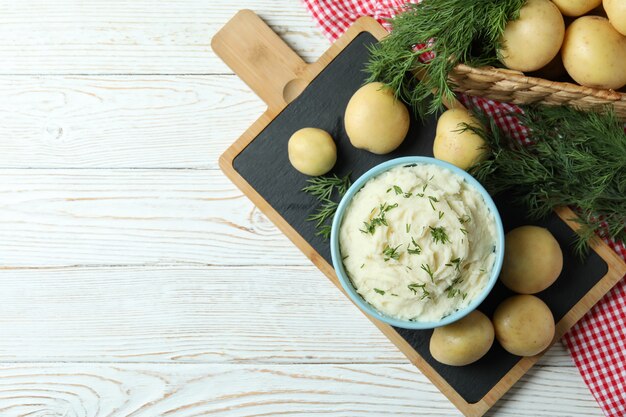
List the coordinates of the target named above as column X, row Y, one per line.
column 457, row 31
column 577, row 159
column 324, row 188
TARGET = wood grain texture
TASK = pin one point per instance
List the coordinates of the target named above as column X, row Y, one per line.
column 260, row 58
column 121, row 121
column 216, row 315
column 138, row 390
column 133, row 217
column 188, row 314
column 138, row 37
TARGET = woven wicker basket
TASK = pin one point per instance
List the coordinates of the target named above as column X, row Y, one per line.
column 515, row 87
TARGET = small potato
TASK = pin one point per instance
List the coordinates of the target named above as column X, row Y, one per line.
column 616, row 11
column 375, row 120
column 524, row 325
column 460, row 148
column 594, row 53
column 464, row 341
column 530, row 42
column 312, row 151
column 576, row 7
column 533, row 260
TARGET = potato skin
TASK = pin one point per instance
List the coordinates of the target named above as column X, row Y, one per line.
column 594, row 53
column 532, row 41
column 312, row 151
column 462, row 149
column 464, row 341
column 533, row 260
column 616, row 11
column 375, row 120
column 524, row 325
column 576, row 7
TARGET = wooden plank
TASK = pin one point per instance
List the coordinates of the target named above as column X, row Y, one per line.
column 252, row 314
column 121, row 121
column 143, row 390
column 60, row 217
column 260, row 58
column 143, row 37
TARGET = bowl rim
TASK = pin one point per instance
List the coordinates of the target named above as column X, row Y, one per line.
column 346, row 283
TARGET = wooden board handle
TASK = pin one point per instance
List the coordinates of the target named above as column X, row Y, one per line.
column 261, row 59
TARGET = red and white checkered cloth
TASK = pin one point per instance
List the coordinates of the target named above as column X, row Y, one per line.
column 598, row 341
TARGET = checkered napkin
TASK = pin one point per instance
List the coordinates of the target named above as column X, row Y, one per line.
column 598, row 341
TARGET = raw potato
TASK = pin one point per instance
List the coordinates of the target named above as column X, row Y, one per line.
column 616, row 11
column 462, row 149
column 594, row 53
column 312, row 151
column 532, row 260
column 530, row 42
column 464, row 341
column 576, row 7
column 524, row 325
column 375, row 120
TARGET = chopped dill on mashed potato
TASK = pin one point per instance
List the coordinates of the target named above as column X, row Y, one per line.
column 420, row 242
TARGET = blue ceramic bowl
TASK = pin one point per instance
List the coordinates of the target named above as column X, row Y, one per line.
column 347, row 283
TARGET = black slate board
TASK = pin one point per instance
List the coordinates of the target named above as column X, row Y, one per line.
column 265, row 166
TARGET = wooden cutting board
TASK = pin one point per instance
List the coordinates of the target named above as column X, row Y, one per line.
column 315, row 95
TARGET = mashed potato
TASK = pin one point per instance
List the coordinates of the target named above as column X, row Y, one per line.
column 418, row 242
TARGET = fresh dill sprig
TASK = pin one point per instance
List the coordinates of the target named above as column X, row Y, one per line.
column 464, row 219
column 381, row 292
column 416, row 250
column 324, row 188
column 456, row 31
column 326, row 210
column 431, row 274
column 456, row 262
column 370, row 227
column 432, row 199
column 414, row 287
column 396, row 189
column 324, row 231
column 391, row 253
column 576, row 159
column 452, row 292
column 439, row 235
column 381, row 220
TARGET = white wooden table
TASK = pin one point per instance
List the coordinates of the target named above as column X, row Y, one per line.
column 136, row 280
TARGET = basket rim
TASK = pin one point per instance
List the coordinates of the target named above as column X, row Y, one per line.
column 519, row 77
